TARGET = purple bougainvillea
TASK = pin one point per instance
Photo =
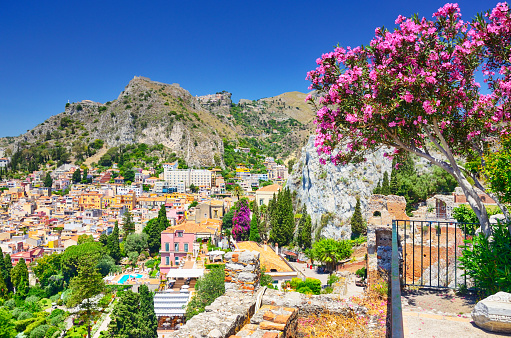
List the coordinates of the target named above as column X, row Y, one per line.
column 241, row 222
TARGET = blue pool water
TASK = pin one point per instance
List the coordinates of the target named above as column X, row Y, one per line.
column 126, row 277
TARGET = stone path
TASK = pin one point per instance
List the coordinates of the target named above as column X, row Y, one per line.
column 427, row 325
column 103, row 326
column 440, row 314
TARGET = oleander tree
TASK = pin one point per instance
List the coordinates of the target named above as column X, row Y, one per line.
column 413, row 90
column 241, row 222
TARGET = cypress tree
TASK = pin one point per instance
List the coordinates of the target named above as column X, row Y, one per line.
column 162, row 218
column 304, row 236
column 103, row 239
column 77, row 176
column 357, row 222
column 48, row 181
column 153, row 235
column 377, row 189
column 147, row 317
column 394, row 183
column 114, row 249
column 385, row 187
column 254, row 225
column 128, row 226
column 8, row 269
column 125, row 316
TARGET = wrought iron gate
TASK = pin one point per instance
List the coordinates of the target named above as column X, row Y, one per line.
column 431, row 250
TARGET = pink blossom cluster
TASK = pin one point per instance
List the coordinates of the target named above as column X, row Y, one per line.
column 241, row 222
column 413, row 83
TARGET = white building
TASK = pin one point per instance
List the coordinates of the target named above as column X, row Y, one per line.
column 183, row 178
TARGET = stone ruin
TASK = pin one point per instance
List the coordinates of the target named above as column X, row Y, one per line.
column 246, row 310
column 242, row 271
column 380, row 213
column 382, row 210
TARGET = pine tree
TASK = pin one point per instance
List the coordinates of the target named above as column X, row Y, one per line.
column 48, row 181
column 377, row 189
column 77, row 176
column 128, row 224
column 8, row 269
column 3, row 270
column 114, row 249
column 147, row 319
column 385, row 187
column 254, row 225
column 357, row 222
column 85, row 286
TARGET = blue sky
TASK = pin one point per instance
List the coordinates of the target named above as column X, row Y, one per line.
column 55, row 51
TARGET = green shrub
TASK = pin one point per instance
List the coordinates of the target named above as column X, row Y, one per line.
column 21, row 325
column 16, row 312
column 33, row 325
column 55, row 298
column 314, row 285
column 327, row 290
column 487, row 260
column 57, row 319
column 10, row 304
column 362, row 273
column 52, row 331
column 332, row 279
column 56, row 313
column 306, row 290
column 296, row 283
column 25, row 315
column 213, row 265
column 39, row 332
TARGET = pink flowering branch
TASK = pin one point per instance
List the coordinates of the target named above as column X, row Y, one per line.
column 414, row 86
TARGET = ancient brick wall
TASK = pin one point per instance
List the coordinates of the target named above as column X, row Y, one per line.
column 242, row 271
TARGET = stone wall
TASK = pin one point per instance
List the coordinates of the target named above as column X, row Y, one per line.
column 223, row 318
column 242, row 271
column 379, row 251
column 390, row 207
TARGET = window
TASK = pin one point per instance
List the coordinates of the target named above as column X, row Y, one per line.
column 216, row 214
column 186, row 247
column 176, row 247
column 180, row 234
column 167, row 260
column 261, row 201
column 167, row 247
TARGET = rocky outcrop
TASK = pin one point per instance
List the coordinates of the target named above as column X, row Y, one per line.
column 330, row 191
column 494, row 313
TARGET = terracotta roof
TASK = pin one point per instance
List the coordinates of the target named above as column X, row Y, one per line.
column 271, row 188
column 267, row 258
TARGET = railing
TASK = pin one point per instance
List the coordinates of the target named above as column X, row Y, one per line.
column 396, row 310
column 431, row 240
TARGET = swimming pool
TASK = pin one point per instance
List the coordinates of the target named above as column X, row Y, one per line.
column 126, row 277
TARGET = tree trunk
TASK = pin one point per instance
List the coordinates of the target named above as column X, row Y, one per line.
column 475, row 203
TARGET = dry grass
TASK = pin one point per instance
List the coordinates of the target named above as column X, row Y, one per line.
column 371, row 324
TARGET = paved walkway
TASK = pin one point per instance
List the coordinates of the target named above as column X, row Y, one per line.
column 427, row 325
column 312, row 273
column 103, row 326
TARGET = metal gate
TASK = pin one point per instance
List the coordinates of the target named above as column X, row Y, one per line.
column 431, row 250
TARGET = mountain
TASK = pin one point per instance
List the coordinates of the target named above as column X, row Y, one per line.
column 192, row 127
column 330, row 192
